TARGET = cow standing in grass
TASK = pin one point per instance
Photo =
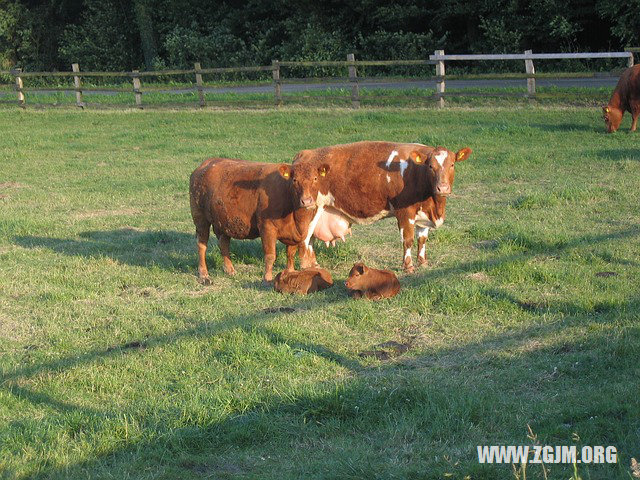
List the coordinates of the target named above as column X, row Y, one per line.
column 245, row 200
column 368, row 181
column 625, row 98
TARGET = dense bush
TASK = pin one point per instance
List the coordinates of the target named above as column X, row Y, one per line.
column 128, row 34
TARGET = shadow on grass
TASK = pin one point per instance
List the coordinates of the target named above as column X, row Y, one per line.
column 483, row 391
column 166, row 249
column 493, row 385
column 621, row 153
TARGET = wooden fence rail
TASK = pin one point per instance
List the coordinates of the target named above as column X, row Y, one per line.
column 276, row 68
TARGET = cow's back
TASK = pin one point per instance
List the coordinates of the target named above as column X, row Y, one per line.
column 227, row 192
column 365, row 176
column 628, row 87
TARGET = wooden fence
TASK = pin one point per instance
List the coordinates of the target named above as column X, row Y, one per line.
column 276, row 68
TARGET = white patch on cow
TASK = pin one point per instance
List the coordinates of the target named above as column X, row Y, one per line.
column 407, row 254
column 388, row 179
column 310, row 248
column 325, row 200
column 402, row 234
column 423, row 232
column 423, row 221
column 423, row 250
column 403, row 166
column 412, row 221
column 441, row 157
column 366, row 221
column 312, row 225
column 391, row 157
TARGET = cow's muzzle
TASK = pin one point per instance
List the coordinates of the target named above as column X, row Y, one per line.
column 443, row 189
column 307, row 202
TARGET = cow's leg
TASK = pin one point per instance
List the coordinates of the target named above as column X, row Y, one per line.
column 405, row 224
column 634, row 118
column 423, row 234
column 202, row 234
column 307, row 256
column 224, row 241
column 269, row 248
column 291, row 258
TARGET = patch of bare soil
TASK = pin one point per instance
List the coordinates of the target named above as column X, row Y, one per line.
column 386, row 350
column 106, row 213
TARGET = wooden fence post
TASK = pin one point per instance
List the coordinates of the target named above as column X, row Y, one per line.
column 276, row 82
column 136, row 88
column 19, row 86
column 440, row 74
column 630, row 60
column 197, row 68
column 531, row 82
column 353, row 78
column 76, row 81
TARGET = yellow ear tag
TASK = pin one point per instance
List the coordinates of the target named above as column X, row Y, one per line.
column 323, row 173
column 418, row 159
column 607, row 110
column 460, row 155
column 285, row 174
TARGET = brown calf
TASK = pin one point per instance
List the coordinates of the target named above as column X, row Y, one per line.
column 306, row 281
column 367, row 181
column 245, row 200
column 625, row 98
column 371, row 283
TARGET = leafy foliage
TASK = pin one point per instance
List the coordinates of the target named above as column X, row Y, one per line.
column 119, row 34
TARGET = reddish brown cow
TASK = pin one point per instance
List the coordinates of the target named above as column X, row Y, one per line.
column 625, row 98
column 368, row 181
column 371, row 283
column 306, row 281
column 245, row 200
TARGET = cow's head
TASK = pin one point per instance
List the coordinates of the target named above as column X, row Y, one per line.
column 440, row 166
column 356, row 276
column 612, row 118
column 306, row 180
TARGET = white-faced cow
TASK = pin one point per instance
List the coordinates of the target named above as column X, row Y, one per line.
column 366, row 181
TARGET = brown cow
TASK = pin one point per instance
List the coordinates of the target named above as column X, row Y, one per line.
column 368, row 181
column 306, row 281
column 625, row 98
column 371, row 283
column 245, row 200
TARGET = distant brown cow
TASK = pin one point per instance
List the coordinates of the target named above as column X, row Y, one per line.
column 625, row 98
column 371, row 283
column 246, row 200
column 367, row 181
column 306, row 281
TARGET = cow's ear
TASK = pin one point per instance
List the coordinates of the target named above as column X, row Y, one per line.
column 323, row 170
column 417, row 157
column 359, row 268
column 285, row 171
column 463, row 154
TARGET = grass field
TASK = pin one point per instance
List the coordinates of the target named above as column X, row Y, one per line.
column 116, row 363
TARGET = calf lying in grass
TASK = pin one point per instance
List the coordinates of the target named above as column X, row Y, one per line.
column 371, row 283
column 307, row 281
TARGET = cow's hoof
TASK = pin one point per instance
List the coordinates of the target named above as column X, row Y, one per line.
column 206, row 281
column 422, row 263
column 409, row 269
column 229, row 270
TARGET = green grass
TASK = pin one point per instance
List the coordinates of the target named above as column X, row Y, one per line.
column 335, row 97
column 116, row 363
